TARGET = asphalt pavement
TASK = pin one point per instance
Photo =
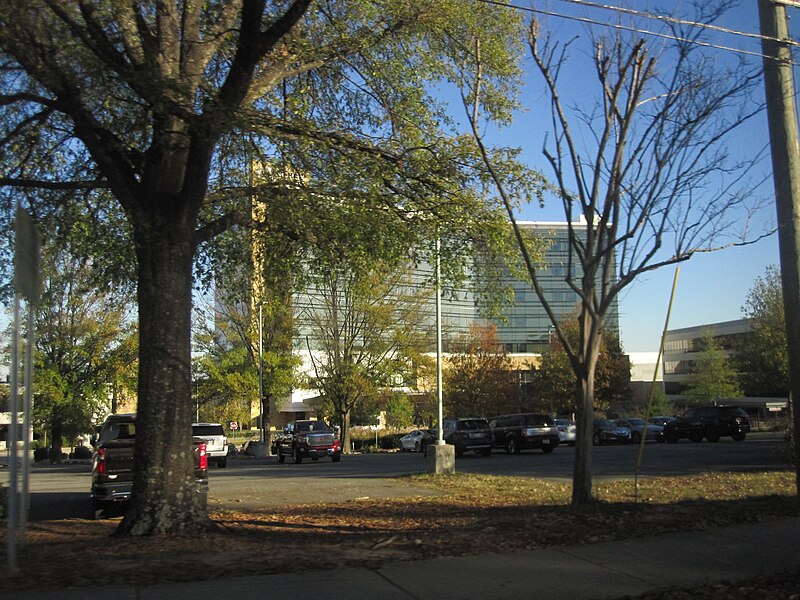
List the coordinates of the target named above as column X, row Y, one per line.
column 604, row 570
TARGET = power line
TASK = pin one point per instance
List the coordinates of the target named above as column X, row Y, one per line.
column 678, row 21
column 648, row 32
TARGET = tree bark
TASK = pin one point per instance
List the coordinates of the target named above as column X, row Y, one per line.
column 582, row 470
column 56, row 433
column 165, row 500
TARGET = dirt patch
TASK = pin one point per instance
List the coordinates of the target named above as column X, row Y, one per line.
column 363, row 533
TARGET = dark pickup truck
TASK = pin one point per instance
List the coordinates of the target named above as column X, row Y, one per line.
column 112, row 463
column 308, row 439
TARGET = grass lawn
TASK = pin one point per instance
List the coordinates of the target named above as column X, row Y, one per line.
column 474, row 514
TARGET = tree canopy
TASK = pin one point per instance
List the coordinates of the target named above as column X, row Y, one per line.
column 761, row 357
column 166, row 105
column 713, row 377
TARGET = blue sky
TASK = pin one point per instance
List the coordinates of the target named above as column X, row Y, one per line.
column 711, row 287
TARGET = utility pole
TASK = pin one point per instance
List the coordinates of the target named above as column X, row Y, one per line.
column 782, row 119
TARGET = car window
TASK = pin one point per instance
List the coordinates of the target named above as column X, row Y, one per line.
column 636, row 422
column 540, row 420
column 473, row 424
column 118, row 431
column 207, row 430
column 605, row 423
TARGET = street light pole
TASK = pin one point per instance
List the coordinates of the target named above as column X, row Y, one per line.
column 261, row 433
column 440, row 431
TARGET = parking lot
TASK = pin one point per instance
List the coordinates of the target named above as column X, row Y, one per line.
column 63, row 491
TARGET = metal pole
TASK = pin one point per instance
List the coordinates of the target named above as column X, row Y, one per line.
column 785, row 149
column 26, row 425
column 652, row 387
column 440, row 431
column 260, row 375
column 12, row 441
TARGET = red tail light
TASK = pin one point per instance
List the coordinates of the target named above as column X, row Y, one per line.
column 102, row 467
column 203, row 456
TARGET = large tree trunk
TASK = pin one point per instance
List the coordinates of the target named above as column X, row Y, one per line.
column 56, row 433
column 164, row 494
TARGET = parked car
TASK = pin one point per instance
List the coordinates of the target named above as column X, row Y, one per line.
column 710, row 422
column 113, row 464
column 216, row 443
column 655, row 433
column 414, row 441
column 566, row 431
column 309, row 439
column 522, row 431
column 661, row 420
column 465, row 434
column 608, row 432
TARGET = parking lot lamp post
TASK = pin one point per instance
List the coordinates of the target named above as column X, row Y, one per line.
column 261, row 435
column 443, row 459
column 439, row 428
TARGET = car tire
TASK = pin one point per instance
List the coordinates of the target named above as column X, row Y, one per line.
column 315, row 458
column 696, row 436
column 298, row 458
column 486, row 452
column 548, row 449
column 222, row 462
column 596, row 441
column 712, row 434
column 281, row 456
column 98, row 510
column 425, row 450
column 336, row 457
column 739, row 437
column 416, row 446
column 512, row 445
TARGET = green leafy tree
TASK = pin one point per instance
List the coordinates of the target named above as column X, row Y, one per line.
column 629, row 157
column 660, row 405
column 555, row 378
column 713, row 377
column 479, row 379
column 225, row 371
column 761, row 357
column 365, row 320
column 84, row 342
column 399, row 410
column 167, row 106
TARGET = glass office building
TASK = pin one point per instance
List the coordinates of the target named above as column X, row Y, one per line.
column 527, row 328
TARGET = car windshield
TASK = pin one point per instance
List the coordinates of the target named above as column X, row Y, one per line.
column 118, row 431
column 637, row 422
column 733, row 411
column 313, row 427
column 605, row 423
column 564, row 422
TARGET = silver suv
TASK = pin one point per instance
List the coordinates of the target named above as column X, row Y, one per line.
column 216, row 443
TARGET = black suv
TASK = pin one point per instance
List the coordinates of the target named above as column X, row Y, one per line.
column 524, row 430
column 710, row 422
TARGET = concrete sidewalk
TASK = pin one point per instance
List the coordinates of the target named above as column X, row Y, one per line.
column 603, row 570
